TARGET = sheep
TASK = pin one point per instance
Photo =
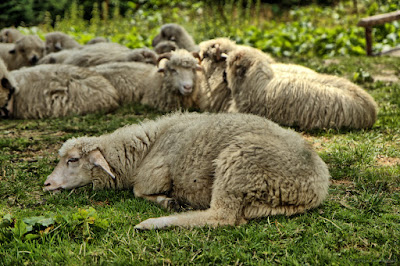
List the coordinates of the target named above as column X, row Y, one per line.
column 57, row 41
column 230, row 168
column 165, row 47
column 176, row 33
column 59, row 90
column 213, row 54
column 25, row 52
column 166, row 88
column 7, row 89
column 308, row 101
column 101, row 53
column 10, row 35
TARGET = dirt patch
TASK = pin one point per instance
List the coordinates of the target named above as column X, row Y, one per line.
column 387, row 161
column 386, row 75
column 329, row 62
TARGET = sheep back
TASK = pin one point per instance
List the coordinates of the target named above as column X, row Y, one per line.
column 60, row 90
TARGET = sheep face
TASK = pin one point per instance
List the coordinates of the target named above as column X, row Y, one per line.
column 76, row 170
column 29, row 50
column 181, row 79
column 7, row 86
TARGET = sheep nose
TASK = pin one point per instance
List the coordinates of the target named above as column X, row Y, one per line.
column 34, row 60
column 187, row 87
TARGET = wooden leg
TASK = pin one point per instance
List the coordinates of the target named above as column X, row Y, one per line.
column 368, row 38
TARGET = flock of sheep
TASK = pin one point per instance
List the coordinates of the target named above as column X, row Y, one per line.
column 230, row 162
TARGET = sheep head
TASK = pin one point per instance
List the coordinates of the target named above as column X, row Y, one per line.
column 216, row 50
column 9, row 35
column 180, row 71
column 7, row 86
column 165, row 47
column 77, row 167
column 57, row 41
column 29, row 49
column 177, row 34
column 245, row 66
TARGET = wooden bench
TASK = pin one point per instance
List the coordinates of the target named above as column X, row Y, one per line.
column 369, row 22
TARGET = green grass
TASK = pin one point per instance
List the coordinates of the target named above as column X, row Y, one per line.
column 359, row 223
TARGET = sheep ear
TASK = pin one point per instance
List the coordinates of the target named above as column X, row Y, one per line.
column 58, row 46
column 96, row 158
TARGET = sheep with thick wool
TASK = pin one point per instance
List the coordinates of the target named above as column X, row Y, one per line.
column 24, row 52
column 216, row 96
column 229, row 167
column 177, row 34
column 100, row 53
column 168, row 88
column 10, row 35
column 59, row 90
column 308, row 101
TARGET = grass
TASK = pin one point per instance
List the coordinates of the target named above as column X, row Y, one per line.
column 359, row 223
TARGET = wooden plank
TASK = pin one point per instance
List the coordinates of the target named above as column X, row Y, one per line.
column 379, row 19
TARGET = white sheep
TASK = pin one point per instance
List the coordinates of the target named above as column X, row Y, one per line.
column 59, row 90
column 215, row 94
column 57, row 41
column 10, row 35
column 100, row 53
column 307, row 100
column 230, row 167
column 24, row 52
column 176, row 33
column 166, row 88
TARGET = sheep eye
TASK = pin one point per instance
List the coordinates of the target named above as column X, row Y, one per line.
column 72, row 160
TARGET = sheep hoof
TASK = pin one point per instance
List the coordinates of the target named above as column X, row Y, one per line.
column 155, row 223
column 173, row 205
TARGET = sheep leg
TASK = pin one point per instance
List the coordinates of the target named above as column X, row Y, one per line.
column 215, row 216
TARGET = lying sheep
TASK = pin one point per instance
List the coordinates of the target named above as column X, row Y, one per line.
column 101, row 53
column 165, row 47
column 166, row 88
column 176, row 33
column 59, row 90
column 233, row 167
column 7, row 89
column 308, row 101
column 57, row 41
column 10, row 35
column 25, row 52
